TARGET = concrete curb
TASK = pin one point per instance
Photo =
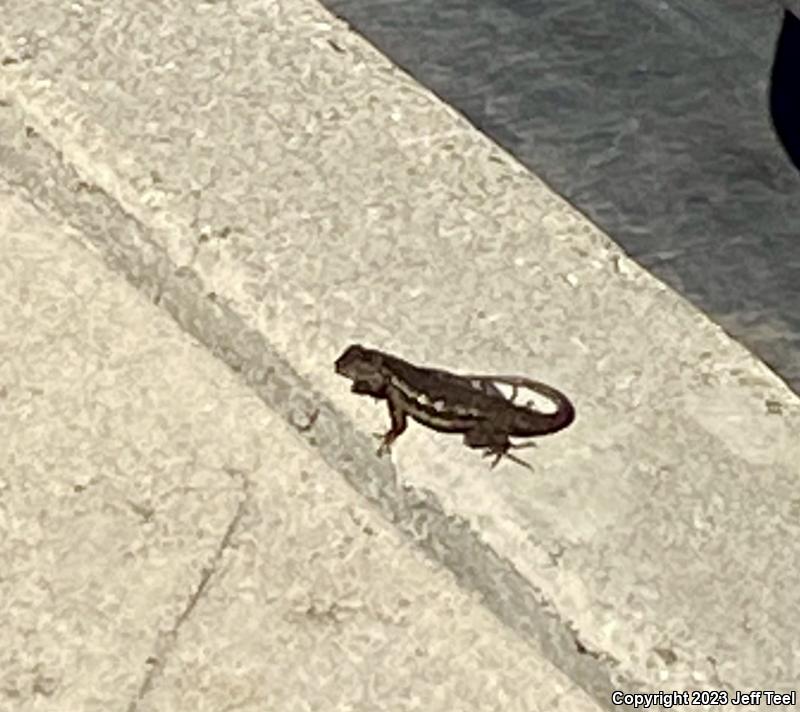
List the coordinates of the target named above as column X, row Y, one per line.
column 109, row 195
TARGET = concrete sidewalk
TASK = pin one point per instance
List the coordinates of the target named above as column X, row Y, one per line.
column 167, row 543
column 281, row 190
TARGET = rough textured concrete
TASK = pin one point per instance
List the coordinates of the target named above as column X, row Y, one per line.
column 167, row 543
column 649, row 116
column 281, row 190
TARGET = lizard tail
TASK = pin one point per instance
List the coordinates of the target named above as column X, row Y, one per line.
column 550, row 422
column 565, row 411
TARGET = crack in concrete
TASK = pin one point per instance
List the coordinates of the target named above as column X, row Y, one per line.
column 166, row 642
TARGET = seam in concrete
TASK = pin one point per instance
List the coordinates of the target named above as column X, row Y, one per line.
column 166, row 641
column 125, row 243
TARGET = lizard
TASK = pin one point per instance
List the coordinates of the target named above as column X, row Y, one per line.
column 452, row 403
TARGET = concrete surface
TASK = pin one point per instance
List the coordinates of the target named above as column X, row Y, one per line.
column 281, row 190
column 168, row 543
column 651, row 117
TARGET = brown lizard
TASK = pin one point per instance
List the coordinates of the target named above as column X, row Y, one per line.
column 453, row 403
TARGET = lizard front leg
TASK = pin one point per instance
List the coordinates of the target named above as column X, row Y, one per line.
column 397, row 412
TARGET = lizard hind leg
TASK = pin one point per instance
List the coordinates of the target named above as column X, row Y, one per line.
column 493, row 443
column 518, row 460
column 504, row 453
column 497, row 456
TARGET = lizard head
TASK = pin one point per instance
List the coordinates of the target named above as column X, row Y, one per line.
column 363, row 366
